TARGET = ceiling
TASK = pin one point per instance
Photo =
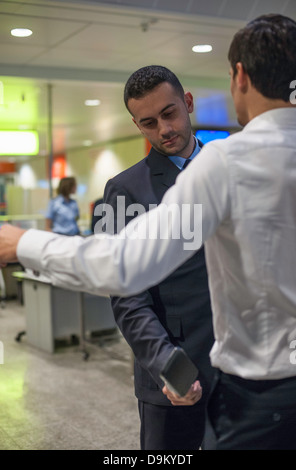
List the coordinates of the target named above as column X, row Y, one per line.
column 87, row 49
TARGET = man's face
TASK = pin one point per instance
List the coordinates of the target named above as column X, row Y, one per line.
column 163, row 118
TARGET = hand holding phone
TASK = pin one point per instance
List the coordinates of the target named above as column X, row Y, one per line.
column 179, row 372
column 193, row 395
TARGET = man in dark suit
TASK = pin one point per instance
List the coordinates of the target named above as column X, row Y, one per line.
column 178, row 310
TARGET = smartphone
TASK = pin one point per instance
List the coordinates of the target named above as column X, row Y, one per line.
column 179, row 372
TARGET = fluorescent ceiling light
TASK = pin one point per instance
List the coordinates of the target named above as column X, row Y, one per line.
column 202, row 48
column 21, row 32
column 92, row 102
column 19, row 143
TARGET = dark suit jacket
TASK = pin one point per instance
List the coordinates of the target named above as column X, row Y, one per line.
column 178, row 310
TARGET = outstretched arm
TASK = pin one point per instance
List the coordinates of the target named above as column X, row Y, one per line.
column 151, row 246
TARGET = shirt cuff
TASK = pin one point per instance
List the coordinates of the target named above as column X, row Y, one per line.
column 30, row 248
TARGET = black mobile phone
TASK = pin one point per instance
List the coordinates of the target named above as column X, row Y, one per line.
column 179, row 372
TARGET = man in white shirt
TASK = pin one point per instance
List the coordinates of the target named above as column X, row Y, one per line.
column 246, row 185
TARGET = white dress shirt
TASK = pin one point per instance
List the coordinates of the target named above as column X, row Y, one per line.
column 247, row 187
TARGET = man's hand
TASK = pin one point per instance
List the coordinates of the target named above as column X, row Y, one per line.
column 192, row 396
column 9, row 238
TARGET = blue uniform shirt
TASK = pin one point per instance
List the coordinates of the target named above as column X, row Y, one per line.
column 64, row 214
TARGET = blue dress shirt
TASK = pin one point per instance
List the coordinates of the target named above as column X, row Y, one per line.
column 179, row 161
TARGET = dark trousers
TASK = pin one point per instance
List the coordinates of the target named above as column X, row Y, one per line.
column 171, row 427
column 253, row 415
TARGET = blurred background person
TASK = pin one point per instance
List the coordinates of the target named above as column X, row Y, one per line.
column 63, row 212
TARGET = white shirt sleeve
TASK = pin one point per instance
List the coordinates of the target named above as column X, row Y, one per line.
column 149, row 248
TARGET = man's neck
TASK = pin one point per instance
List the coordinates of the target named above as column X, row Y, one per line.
column 258, row 104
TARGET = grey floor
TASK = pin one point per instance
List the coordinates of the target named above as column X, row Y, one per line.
column 61, row 401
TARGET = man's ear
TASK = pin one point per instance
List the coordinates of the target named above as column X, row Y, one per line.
column 189, row 101
column 242, row 78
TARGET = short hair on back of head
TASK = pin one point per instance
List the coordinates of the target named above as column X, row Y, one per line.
column 145, row 79
column 66, row 185
column 266, row 47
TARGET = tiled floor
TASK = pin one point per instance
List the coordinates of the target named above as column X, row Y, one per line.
column 61, row 401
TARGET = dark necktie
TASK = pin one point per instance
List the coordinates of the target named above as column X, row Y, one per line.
column 186, row 163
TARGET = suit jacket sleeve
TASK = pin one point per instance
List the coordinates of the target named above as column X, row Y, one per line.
column 135, row 316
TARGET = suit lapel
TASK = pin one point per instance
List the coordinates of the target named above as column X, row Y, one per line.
column 163, row 172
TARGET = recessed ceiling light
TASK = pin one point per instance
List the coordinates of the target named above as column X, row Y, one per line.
column 21, row 32
column 92, row 102
column 202, row 48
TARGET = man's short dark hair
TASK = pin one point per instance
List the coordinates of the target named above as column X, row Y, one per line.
column 146, row 79
column 266, row 47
